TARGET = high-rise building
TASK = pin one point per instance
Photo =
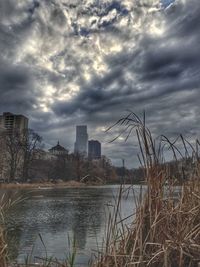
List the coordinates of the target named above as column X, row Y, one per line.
column 94, row 149
column 11, row 122
column 81, row 142
column 12, row 137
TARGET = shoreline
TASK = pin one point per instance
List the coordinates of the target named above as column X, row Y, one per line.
column 42, row 185
column 67, row 184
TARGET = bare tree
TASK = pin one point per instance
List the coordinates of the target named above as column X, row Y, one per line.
column 32, row 141
column 2, row 154
column 14, row 152
column 19, row 147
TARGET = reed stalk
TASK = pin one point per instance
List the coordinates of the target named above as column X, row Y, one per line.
column 165, row 230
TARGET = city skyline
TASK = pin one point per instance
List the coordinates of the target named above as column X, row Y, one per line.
column 10, row 122
column 65, row 63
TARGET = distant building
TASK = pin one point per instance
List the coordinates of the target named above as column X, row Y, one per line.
column 94, row 149
column 12, row 127
column 81, row 143
column 41, row 154
column 11, row 122
column 58, row 150
column 2, row 129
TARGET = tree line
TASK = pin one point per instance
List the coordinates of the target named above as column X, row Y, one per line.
column 17, row 153
column 22, row 159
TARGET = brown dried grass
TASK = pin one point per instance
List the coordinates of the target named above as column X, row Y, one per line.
column 3, row 249
column 165, row 231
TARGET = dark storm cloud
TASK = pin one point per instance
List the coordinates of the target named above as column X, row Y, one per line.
column 165, row 69
column 70, row 62
column 16, row 88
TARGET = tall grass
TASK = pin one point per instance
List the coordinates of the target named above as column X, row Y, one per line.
column 3, row 249
column 5, row 204
column 166, row 230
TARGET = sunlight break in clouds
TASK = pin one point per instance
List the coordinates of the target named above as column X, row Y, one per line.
column 70, row 62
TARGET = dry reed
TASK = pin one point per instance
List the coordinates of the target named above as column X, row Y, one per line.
column 166, row 230
column 5, row 204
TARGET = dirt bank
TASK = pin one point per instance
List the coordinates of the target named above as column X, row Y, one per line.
column 41, row 185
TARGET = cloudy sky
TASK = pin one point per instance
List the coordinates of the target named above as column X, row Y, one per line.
column 69, row 62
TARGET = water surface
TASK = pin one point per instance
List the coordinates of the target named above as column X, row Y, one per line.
column 62, row 214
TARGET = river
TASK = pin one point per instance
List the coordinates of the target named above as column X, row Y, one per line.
column 47, row 221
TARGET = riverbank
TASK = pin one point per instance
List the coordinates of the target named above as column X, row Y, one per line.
column 68, row 184
column 42, row 185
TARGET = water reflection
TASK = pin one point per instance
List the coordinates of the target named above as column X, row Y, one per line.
column 57, row 214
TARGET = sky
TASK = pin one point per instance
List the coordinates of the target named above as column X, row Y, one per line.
column 70, row 62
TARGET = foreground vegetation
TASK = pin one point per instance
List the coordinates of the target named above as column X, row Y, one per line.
column 165, row 231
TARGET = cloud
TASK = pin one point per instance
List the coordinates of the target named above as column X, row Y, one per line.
column 70, row 62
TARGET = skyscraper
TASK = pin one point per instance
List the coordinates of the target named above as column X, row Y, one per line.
column 13, row 135
column 11, row 122
column 80, row 145
column 94, row 149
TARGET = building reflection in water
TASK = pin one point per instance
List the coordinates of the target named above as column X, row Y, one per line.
column 56, row 214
